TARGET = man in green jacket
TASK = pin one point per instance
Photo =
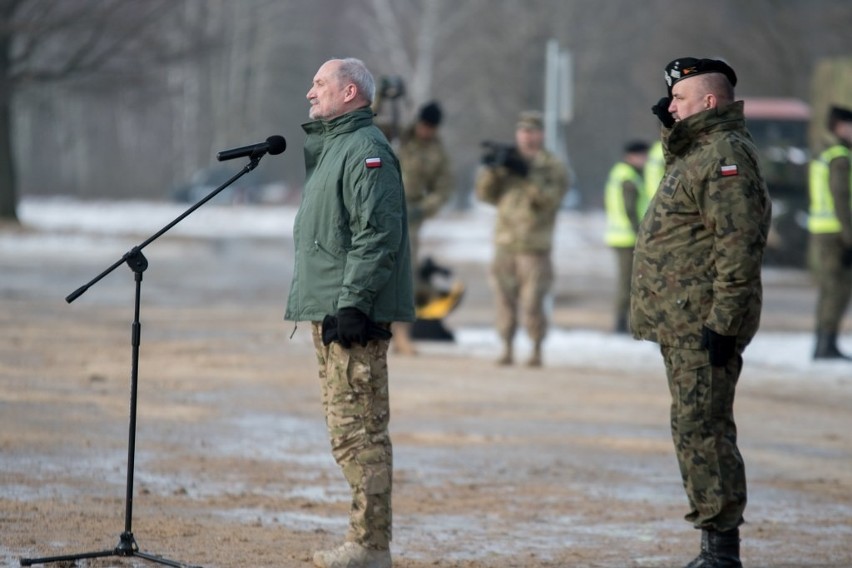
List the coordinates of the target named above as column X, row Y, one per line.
column 696, row 288
column 351, row 280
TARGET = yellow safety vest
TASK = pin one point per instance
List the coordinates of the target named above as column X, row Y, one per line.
column 823, row 216
column 619, row 231
column 655, row 169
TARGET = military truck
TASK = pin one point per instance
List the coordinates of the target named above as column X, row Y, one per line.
column 780, row 129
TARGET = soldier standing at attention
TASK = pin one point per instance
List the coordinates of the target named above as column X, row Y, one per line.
column 428, row 185
column 527, row 184
column 830, row 225
column 625, row 202
column 697, row 289
column 351, row 279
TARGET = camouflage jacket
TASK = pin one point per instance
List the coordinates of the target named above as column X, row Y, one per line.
column 426, row 175
column 700, row 245
column 526, row 206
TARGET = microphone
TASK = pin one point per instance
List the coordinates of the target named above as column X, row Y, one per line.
column 274, row 145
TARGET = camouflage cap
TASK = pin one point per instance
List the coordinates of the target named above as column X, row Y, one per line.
column 690, row 67
column 531, row 119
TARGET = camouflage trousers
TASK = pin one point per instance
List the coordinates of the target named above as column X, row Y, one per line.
column 833, row 280
column 705, row 437
column 520, row 282
column 355, row 399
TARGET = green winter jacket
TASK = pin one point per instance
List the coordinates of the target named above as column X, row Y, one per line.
column 700, row 246
column 350, row 232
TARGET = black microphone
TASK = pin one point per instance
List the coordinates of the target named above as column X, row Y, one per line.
column 274, row 145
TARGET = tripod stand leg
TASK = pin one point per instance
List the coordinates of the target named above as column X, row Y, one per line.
column 126, row 547
column 66, row 558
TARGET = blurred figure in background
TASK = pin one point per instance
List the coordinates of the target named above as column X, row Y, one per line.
column 830, row 226
column 527, row 184
column 625, row 201
column 655, row 168
column 428, row 181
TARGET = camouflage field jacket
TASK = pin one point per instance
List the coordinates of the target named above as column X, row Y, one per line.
column 526, row 206
column 700, row 245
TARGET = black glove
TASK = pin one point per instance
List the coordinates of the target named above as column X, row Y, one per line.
column 720, row 347
column 329, row 329
column 353, row 326
column 846, row 258
column 661, row 109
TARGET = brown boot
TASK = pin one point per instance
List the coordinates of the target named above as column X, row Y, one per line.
column 506, row 358
column 352, row 555
column 535, row 357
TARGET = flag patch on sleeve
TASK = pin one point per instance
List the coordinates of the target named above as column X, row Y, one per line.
column 729, row 170
column 373, row 162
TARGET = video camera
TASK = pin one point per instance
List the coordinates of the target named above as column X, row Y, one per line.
column 506, row 155
column 391, row 87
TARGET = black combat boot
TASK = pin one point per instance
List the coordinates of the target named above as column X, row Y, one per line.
column 826, row 347
column 718, row 550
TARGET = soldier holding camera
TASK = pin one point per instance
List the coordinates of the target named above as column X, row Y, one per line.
column 527, row 184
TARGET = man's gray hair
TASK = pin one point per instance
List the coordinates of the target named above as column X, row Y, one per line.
column 353, row 70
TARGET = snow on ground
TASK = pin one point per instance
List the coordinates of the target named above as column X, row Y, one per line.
column 66, row 227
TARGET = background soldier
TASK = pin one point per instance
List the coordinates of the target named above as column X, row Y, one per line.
column 830, row 226
column 655, row 168
column 527, row 184
column 697, row 290
column 428, row 181
column 625, row 201
column 351, row 279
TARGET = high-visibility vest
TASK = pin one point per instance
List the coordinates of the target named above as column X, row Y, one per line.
column 619, row 231
column 823, row 216
column 655, row 169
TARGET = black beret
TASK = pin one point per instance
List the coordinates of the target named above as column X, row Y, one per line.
column 689, row 67
column 636, row 147
column 431, row 114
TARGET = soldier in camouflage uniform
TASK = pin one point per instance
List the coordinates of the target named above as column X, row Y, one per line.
column 696, row 288
column 351, row 279
column 428, row 182
column 527, row 184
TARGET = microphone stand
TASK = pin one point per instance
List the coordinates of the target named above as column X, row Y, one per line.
column 138, row 263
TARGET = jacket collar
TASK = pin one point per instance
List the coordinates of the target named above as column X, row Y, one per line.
column 342, row 124
column 684, row 133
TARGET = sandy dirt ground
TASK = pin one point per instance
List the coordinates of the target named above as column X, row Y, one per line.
column 570, row 465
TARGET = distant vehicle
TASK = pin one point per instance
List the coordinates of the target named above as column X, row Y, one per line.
column 246, row 189
column 779, row 127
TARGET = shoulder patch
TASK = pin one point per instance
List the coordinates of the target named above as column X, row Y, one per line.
column 729, row 170
column 373, row 162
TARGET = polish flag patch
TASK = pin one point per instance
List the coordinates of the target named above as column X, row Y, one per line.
column 729, row 170
column 373, row 162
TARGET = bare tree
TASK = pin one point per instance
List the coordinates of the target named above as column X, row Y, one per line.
column 43, row 41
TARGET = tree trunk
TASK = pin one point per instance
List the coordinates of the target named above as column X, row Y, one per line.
column 8, row 181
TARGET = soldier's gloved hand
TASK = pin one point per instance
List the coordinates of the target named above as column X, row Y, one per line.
column 720, row 347
column 516, row 163
column 661, row 109
column 352, row 327
column 846, row 258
